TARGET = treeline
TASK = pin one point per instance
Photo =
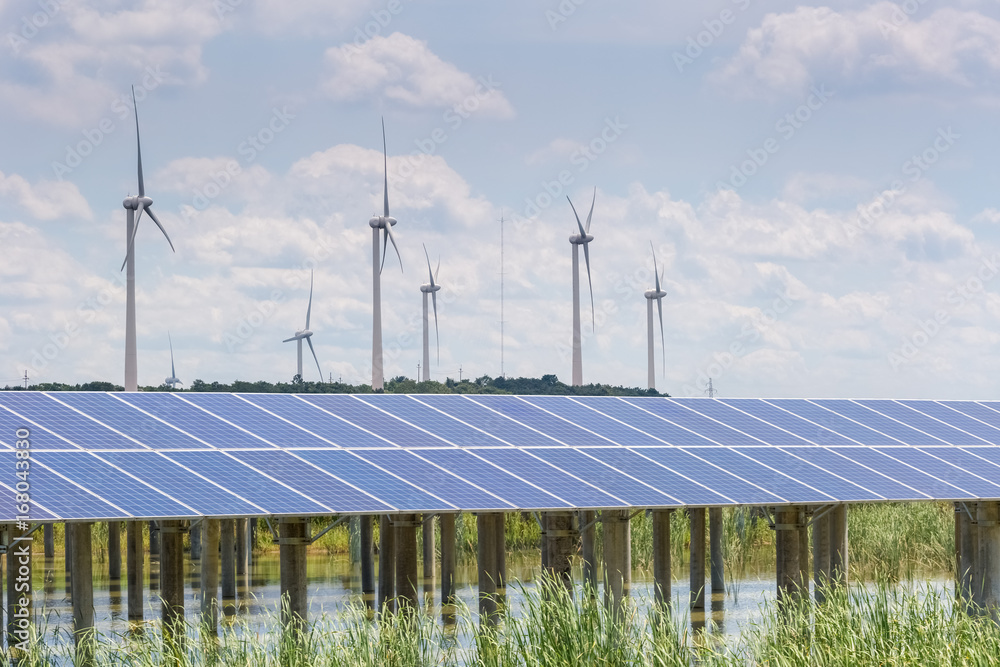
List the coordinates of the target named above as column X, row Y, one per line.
column 547, row 384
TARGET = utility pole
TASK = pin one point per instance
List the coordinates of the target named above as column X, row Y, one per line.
column 25, row 379
column 502, row 373
column 459, row 373
column 711, row 390
column 418, row 371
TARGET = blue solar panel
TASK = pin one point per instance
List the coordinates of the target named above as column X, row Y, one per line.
column 40, row 438
column 108, row 483
column 63, row 421
column 603, row 476
column 809, row 474
column 318, row 421
column 682, row 488
column 492, row 479
column 634, row 414
column 686, row 462
column 312, row 481
column 488, row 420
column 681, row 416
column 968, row 460
column 423, row 416
column 925, row 460
column 957, row 419
column 378, row 422
column 881, row 460
column 752, row 426
column 879, row 422
column 919, row 420
column 441, row 483
column 254, row 485
column 757, row 473
column 803, row 428
column 831, row 460
column 595, row 421
column 387, row 487
column 861, row 435
column 248, row 416
column 976, row 410
column 206, row 498
column 989, row 455
column 198, row 423
column 532, row 417
column 125, row 419
column 531, row 468
column 8, row 508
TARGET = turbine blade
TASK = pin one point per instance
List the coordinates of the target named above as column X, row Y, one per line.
column 313, row 350
column 437, row 334
column 289, row 340
column 578, row 223
column 310, row 307
column 663, row 346
column 388, row 232
column 156, row 220
column 173, row 373
column 138, row 148
column 429, row 272
column 656, row 272
column 437, row 270
column 593, row 316
column 135, row 230
column 591, row 214
column 385, row 171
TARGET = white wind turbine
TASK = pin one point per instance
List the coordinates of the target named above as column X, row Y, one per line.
column 173, row 380
column 382, row 222
column 431, row 288
column 583, row 238
column 305, row 334
column 657, row 295
column 134, row 207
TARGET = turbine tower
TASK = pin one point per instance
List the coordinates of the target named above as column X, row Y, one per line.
column 173, row 380
column 431, row 288
column 134, row 207
column 305, row 334
column 583, row 238
column 384, row 223
column 657, row 295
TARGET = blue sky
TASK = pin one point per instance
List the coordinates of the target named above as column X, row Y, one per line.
column 818, row 182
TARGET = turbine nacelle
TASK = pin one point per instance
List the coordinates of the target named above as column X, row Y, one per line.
column 654, row 294
column 299, row 335
column 381, row 221
column 134, row 203
column 578, row 239
column 172, row 381
column 430, row 289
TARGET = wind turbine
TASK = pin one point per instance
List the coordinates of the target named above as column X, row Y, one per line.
column 583, row 238
column 431, row 288
column 657, row 295
column 134, row 207
column 382, row 222
column 305, row 334
column 173, row 380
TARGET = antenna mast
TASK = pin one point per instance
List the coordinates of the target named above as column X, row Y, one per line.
column 25, row 379
column 711, row 390
column 502, row 371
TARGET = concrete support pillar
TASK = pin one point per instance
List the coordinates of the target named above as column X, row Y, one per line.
column 68, row 560
column 617, row 558
column 448, row 562
column 83, row 595
column 134, row 557
column 210, row 575
column 293, row 540
column 697, row 547
column 154, row 539
column 839, row 560
column 19, row 604
column 988, row 519
column 407, row 581
column 501, row 539
column 172, row 569
column 487, row 565
column 661, row 558
column 786, row 520
column 195, row 535
column 354, row 539
column 803, row 535
column 543, row 520
column 821, row 555
column 227, row 559
column 386, row 565
column 50, row 540
column 562, row 544
column 427, row 542
column 968, row 546
column 242, row 557
column 715, row 537
column 588, row 541
column 114, row 550
column 367, row 562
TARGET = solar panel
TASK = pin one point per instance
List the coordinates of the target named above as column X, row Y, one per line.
column 59, row 419
column 200, row 424
column 634, row 465
column 592, row 420
column 811, row 431
column 918, row 420
column 40, row 438
column 802, row 470
column 377, row 421
column 488, row 420
column 764, row 432
column 980, row 411
column 957, row 419
column 258, row 421
column 687, row 462
column 603, row 476
column 814, row 412
column 831, row 460
column 124, row 418
column 539, row 420
column 881, row 423
column 634, row 414
column 882, row 461
column 9, row 514
column 322, row 423
column 783, row 486
column 425, row 417
column 709, row 428
column 924, row 459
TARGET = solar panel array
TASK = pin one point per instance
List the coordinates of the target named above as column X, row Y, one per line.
column 101, row 456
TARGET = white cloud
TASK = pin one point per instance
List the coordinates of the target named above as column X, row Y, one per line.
column 404, row 70
column 311, row 17
column 47, row 200
column 989, row 215
column 880, row 47
column 556, row 149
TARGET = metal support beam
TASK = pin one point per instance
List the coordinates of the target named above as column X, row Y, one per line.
column 697, row 547
column 617, row 559
column 50, row 541
column 367, row 562
column 661, row 558
column 293, row 539
column 562, row 544
column 227, row 558
column 786, row 525
column 386, row 566
column 588, row 540
column 821, row 556
column 407, row 581
column 83, row 595
column 487, row 566
column 172, row 569
column 501, row 542
column 210, row 575
column 114, row 550
column 427, row 543
column 134, row 557
column 839, row 561
column 448, row 562
column 715, row 537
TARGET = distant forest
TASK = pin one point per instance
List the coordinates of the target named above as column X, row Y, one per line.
column 547, row 384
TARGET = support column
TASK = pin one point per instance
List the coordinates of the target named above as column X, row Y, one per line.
column 617, row 558
column 83, row 595
column 501, row 560
column 154, row 539
column 294, row 537
column 821, row 556
column 967, row 552
column 242, row 551
column 227, row 558
column 19, row 603
column 210, row 575
column 588, row 533
column 367, row 562
column 838, row 546
column 134, row 556
column 386, row 565
column 786, row 521
column 196, row 532
column 543, row 520
column 68, row 560
column 697, row 547
column 172, row 571
column 487, row 565
column 50, row 540
column 661, row 558
column 114, row 550
column 988, row 519
column 354, row 539
column 429, row 558
column 803, row 536
column 715, row 535
column 407, row 583
column 448, row 543
column 562, row 544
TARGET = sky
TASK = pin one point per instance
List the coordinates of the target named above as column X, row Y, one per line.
column 818, row 184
